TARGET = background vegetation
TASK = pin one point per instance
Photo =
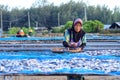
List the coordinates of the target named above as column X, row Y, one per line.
column 43, row 14
column 88, row 26
column 14, row 30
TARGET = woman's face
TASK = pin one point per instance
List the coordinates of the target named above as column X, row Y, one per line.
column 77, row 27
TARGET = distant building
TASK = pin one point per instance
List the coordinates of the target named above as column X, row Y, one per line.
column 115, row 25
column 41, row 29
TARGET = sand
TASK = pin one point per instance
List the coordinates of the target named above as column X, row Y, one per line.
column 25, row 77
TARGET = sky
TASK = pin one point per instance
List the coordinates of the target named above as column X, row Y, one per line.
column 28, row 3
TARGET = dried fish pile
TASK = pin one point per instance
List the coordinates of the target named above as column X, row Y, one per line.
column 89, row 62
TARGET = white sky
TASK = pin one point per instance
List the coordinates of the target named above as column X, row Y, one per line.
column 28, row 3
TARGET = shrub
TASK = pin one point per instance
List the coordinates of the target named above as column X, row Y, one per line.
column 56, row 30
column 92, row 26
column 14, row 30
column 67, row 25
column 62, row 29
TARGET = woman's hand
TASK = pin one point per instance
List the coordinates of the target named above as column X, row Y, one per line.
column 73, row 44
column 79, row 49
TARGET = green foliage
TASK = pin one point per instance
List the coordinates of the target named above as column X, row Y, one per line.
column 47, row 15
column 56, row 30
column 67, row 26
column 114, row 30
column 25, row 30
column 14, row 30
column 62, row 29
column 93, row 26
column 99, row 26
column 109, row 31
column 104, row 32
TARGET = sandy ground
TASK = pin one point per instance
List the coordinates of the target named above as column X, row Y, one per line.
column 102, row 77
column 21, row 77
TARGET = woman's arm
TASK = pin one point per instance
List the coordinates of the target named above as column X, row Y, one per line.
column 66, row 39
column 83, row 42
column 67, row 36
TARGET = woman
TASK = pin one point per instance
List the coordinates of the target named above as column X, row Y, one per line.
column 75, row 37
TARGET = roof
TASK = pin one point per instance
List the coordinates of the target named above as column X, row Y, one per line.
column 115, row 25
column 118, row 23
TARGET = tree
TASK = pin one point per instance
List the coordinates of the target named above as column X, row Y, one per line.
column 46, row 15
column 116, row 14
column 19, row 17
column 5, row 16
column 39, row 3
